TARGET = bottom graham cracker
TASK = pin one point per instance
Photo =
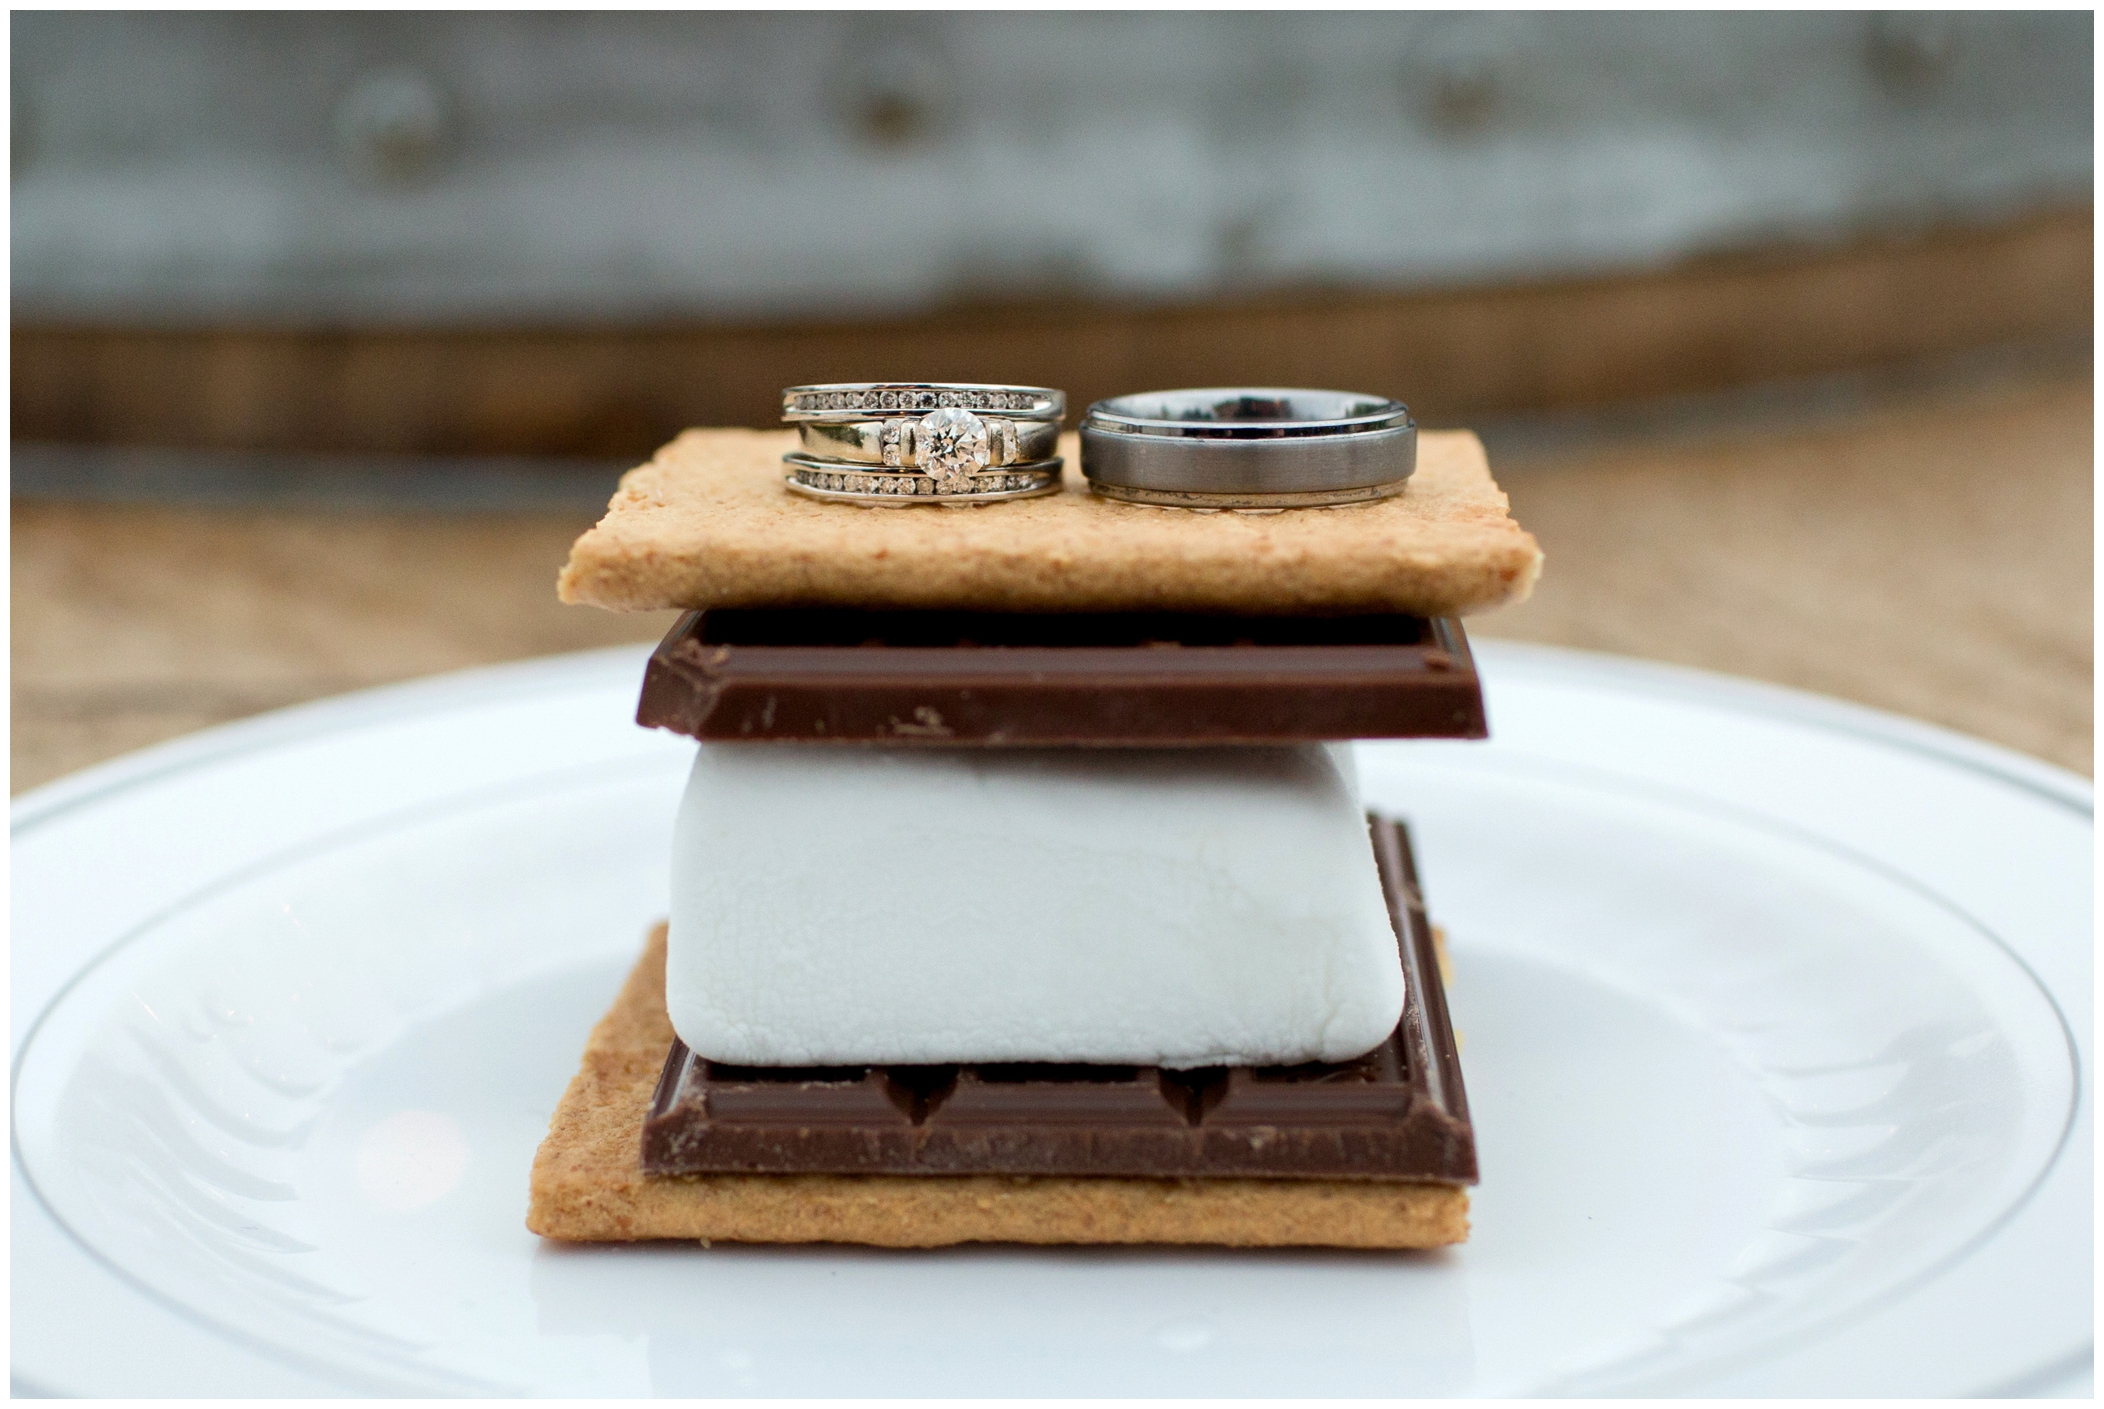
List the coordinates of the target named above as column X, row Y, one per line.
column 588, row 1185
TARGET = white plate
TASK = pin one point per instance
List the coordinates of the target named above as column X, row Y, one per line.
column 1777, row 1023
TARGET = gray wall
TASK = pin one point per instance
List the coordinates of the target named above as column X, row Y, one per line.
column 374, row 168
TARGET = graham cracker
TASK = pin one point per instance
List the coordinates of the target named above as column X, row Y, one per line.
column 707, row 523
column 588, row 1185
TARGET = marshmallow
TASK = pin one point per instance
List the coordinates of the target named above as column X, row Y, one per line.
column 1171, row 907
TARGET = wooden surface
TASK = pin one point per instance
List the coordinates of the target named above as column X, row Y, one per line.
column 1932, row 557
column 1928, row 553
column 1454, row 355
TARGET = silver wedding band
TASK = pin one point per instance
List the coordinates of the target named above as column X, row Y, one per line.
column 841, row 483
column 1248, row 448
column 854, row 400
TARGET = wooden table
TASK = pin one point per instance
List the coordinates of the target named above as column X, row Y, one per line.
column 1927, row 552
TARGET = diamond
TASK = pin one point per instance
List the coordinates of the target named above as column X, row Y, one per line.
column 951, row 445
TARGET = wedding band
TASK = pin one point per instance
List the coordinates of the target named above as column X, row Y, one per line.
column 834, row 480
column 838, row 401
column 1248, row 448
column 895, row 442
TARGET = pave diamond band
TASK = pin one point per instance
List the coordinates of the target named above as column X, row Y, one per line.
column 857, row 400
column 897, row 441
column 859, row 484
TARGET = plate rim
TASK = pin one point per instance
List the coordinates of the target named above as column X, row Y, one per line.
column 2049, row 780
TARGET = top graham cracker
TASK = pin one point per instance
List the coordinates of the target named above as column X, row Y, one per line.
column 707, row 523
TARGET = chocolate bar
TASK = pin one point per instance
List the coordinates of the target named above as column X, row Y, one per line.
column 1398, row 1113
column 1003, row 678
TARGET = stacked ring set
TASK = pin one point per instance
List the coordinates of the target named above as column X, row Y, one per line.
column 953, row 443
column 896, row 444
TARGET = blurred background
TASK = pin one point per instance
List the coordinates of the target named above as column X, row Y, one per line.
column 331, row 330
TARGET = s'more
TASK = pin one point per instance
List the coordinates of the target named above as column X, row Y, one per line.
column 1022, row 890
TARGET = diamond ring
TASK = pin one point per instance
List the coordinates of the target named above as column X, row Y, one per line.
column 940, row 432
column 901, row 442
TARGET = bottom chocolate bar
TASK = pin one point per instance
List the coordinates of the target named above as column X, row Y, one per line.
column 1398, row 1113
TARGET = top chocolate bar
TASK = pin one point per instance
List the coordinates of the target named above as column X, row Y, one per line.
column 707, row 524
column 1018, row 679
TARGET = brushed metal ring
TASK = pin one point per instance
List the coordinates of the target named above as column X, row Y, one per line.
column 1248, row 448
column 1247, row 413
